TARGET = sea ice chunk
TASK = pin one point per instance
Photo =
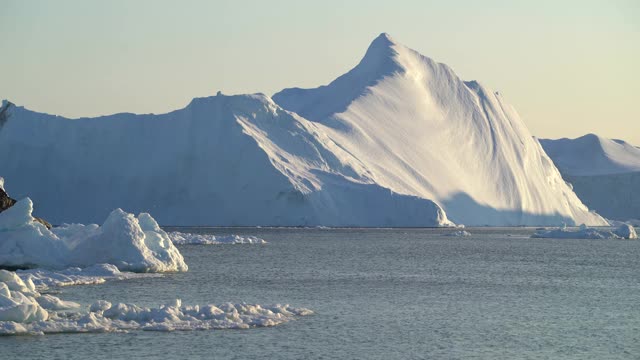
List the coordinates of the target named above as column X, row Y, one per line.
column 584, row 232
column 130, row 243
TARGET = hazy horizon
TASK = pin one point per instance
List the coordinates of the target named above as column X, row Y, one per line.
column 569, row 69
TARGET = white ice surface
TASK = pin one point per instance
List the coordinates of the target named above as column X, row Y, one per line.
column 130, row 243
column 391, row 143
column 583, row 232
column 592, row 155
column 181, row 238
column 24, row 310
column 418, row 129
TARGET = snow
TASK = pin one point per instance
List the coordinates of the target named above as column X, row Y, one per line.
column 583, row 232
column 398, row 141
column 18, row 300
column 223, row 160
column 105, row 317
column 129, row 243
column 24, row 310
column 591, row 155
column 420, row 130
column 180, row 238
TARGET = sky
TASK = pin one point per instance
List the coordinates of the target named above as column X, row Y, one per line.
column 569, row 67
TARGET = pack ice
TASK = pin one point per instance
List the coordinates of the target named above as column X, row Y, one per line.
column 24, row 310
column 399, row 140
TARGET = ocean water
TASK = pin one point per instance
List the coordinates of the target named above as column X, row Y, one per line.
column 384, row 294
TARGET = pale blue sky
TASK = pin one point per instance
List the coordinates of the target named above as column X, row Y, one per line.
column 569, row 67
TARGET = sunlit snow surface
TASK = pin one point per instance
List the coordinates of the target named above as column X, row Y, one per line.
column 129, row 243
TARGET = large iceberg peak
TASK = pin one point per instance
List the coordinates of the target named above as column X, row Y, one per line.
column 384, row 42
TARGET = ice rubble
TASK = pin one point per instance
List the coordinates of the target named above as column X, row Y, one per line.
column 24, row 310
column 128, row 242
column 624, row 231
column 180, row 238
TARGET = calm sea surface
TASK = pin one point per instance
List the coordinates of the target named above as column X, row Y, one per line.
column 384, row 294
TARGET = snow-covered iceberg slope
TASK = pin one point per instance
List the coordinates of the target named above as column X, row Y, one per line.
column 604, row 173
column 591, row 155
column 129, row 243
column 420, row 130
column 391, row 143
column 223, row 160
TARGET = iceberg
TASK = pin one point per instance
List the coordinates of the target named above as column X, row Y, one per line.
column 604, row 173
column 180, row 238
column 128, row 242
column 624, row 231
column 398, row 141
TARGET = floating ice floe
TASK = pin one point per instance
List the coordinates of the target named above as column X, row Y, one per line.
column 624, row 231
column 96, row 274
column 180, row 238
column 130, row 243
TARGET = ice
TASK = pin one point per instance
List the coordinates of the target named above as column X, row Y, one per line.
column 105, row 317
column 420, row 130
column 398, row 141
column 130, row 243
column 24, row 310
column 583, row 232
column 632, row 222
column 180, row 238
column 626, row 231
column 18, row 301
